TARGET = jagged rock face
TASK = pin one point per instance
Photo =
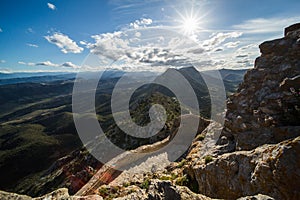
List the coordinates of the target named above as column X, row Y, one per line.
column 259, row 147
column 60, row 194
column 256, row 197
column 269, row 169
column 160, row 190
column 165, row 190
column 266, row 107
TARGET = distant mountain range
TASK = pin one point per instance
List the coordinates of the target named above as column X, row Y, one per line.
column 44, row 77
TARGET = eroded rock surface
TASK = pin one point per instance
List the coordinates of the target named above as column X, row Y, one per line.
column 60, row 194
column 258, row 151
column 266, row 107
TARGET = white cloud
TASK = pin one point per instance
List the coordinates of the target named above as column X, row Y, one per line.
column 71, row 65
column 266, row 25
column 156, row 52
column 50, row 64
column 22, row 63
column 5, row 70
column 110, row 45
column 2, row 61
column 32, row 45
column 46, row 63
column 28, row 64
column 218, row 38
column 1, row 30
column 143, row 22
column 30, row 30
column 83, row 42
column 51, row 6
column 138, row 34
column 137, row 49
column 66, row 44
column 232, row 44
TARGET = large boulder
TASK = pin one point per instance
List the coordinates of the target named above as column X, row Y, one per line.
column 269, row 169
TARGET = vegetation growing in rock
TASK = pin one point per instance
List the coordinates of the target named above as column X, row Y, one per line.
column 208, row 159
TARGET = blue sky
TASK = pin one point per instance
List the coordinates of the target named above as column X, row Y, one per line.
column 58, row 35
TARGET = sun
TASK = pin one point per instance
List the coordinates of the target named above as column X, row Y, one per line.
column 190, row 25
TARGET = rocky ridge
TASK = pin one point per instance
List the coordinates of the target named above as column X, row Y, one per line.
column 265, row 108
column 258, row 151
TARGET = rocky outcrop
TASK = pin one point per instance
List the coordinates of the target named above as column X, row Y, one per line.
column 258, row 150
column 269, row 169
column 266, row 107
column 256, row 197
column 13, row 196
column 60, row 194
column 159, row 190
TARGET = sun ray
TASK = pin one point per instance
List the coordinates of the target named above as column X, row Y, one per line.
column 189, row 22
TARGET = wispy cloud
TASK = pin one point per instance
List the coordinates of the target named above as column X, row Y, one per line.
column 46, row 63
column 5, row 70
column 51, row 64
column 217, row 38
column 232, row 44
column 51, row 6
column 1, row 30
column 266, row 25
column 2, row 61
column 83, row 42
column 143, row 22
column 28, row 64
column 32, row 45
column 70, row 65
column 66, row 44
column 30, row 30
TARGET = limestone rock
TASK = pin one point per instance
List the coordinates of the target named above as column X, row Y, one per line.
column 269, row 169
column 259, row 147
column 256, row 197
column 164, row 190
column 60, row 194
column 13, row 196
column 268, row 98
column 292, row 28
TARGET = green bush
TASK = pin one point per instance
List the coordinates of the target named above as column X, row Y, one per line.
column 126, row 184
column 103, row 191
column 145, row 185
column 208, row 159
column 182, row 181
column 165, row 178
column 200, row 137
column 181, row 163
